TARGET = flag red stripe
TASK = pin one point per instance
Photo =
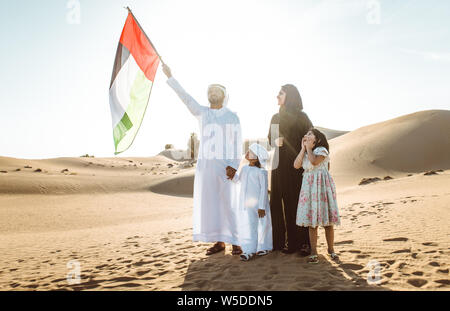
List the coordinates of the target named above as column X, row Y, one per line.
column 134, row 39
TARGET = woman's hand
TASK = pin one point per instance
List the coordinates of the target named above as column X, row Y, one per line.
column 279, row 142
column 261, row 213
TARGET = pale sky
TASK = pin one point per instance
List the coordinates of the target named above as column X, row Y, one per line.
column 352, row 66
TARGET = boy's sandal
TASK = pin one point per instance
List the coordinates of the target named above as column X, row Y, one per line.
column 215, row 249
column 313, row 259
column 262, row 253
column 246, row 257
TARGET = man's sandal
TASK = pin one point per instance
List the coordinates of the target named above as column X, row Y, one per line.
column 246, row 257
column 313, row 259
column 215, row 249
column 236, row 250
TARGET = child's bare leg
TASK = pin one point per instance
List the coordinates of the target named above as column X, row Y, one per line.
column 329, row 234
column 313, row 240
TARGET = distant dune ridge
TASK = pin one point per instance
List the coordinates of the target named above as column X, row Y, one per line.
column 412, row 143
column 128, row 220
column 329, row 133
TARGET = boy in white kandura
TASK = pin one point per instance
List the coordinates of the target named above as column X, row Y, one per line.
column 255, row 223
column 317, row 204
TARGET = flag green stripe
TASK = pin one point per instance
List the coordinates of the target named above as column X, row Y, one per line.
column 121, row 129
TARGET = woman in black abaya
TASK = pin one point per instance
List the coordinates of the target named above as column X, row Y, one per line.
column 287, row 128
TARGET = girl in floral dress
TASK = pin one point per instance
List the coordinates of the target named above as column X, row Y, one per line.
column 317, row 204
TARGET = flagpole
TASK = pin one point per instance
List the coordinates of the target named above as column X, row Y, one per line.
column 129, row 11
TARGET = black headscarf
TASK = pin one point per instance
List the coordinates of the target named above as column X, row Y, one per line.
column 293, row 121
column 293, row 103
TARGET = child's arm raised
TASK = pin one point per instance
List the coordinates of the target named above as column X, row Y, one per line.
column 299, row 159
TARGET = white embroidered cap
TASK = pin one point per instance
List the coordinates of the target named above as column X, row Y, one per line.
column 223, row 89
column 260, row 152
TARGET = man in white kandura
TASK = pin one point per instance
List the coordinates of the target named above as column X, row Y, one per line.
column 215, row 197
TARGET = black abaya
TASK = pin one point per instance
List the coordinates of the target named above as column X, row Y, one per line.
column 286, row 181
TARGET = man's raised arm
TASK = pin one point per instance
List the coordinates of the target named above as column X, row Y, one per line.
column 187, row 99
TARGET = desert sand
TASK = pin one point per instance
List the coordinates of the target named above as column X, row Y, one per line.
column 127, row 221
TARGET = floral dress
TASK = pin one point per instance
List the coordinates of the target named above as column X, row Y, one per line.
column 317, row 204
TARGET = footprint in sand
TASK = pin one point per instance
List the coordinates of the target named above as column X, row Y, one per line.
column 445, row 281
column 388, row 275
column 418, row 273
column 390, row 262
column 344, row 242
column 362, row 256
column 141, row 273
column 141, row 263
column 187, row 247
column 101, row 266
column 406, row 250
column 417, row 282
column 434, row 264
column 400, row 239
column 351, row 266
column 430, row 244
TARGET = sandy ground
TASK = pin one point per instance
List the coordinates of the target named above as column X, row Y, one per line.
column 127, row 222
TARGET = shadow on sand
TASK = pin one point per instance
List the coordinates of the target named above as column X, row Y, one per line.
column 275, row 271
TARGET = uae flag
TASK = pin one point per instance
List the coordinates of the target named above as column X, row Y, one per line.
column 131, row 82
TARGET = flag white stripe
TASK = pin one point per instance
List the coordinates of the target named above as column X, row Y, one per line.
column 119, row 93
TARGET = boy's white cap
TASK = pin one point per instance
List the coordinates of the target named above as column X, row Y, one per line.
column 260, row 152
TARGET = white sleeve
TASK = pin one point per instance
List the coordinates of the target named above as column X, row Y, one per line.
column 187, row 99
column 234, row 140
column 264, row 185
column 321, row 151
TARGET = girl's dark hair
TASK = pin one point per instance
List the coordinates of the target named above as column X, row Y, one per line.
column 321, row 139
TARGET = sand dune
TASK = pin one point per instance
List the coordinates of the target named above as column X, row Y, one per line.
column 127, row 221
column 182, row 185
column 84, row 175
column 412, row 143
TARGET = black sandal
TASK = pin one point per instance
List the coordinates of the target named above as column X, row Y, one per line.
column 215, row 249
column 305, row 250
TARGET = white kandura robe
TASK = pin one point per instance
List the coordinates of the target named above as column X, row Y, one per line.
column 215, row 197
column 255, row 234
